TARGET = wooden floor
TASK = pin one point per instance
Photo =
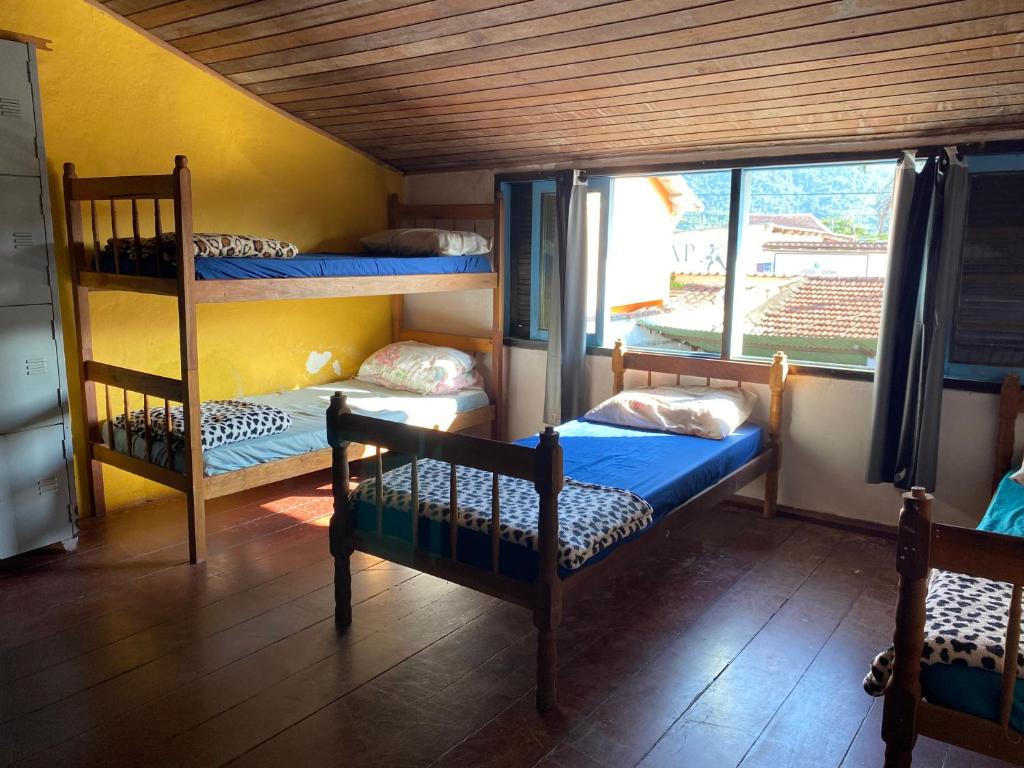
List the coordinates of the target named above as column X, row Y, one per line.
column 744, row 644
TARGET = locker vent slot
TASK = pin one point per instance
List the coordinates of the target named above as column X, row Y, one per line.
column 36, row 366
column 23, row 239
column 47, row 486
column 10, row 107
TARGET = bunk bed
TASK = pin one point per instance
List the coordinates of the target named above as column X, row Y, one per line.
column 972, row 700
column 125, row 265
column 514, row 520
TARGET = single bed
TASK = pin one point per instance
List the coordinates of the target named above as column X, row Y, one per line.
column 547, row 518
column 958, row 615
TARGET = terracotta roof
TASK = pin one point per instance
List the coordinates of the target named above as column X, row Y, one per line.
column 790, row 221
column 860, row 246
column 826, row 307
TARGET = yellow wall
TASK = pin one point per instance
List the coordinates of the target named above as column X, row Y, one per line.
column 115, row 103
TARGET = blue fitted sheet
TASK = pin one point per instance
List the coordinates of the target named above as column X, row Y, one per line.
column 311, row 265
column 308, row 432
column 663, row 469
column 968, row 689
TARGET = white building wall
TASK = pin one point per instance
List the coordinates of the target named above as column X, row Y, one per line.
column 640, row 255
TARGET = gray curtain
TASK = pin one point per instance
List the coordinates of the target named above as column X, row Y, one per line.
column 929, row 211
column 565, row 381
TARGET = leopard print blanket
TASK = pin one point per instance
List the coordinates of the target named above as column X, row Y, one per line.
column 209, row 244
column 965, row 625
column 590, row 517
column 222, row 421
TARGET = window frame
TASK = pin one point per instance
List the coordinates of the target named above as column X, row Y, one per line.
column 957, row 376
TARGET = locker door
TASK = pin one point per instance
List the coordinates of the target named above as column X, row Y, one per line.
column 17, row 112
column 29, row 377
column 23, row 261
column 33, row 491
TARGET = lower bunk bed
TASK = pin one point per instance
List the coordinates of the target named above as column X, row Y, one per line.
column 545, row 519
column 958, row 617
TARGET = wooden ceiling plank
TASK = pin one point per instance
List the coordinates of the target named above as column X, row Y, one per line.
column 811, row 107
column 261, row 14
column 765, row 51
column 919, row 124
column 948, row 77
column 724, row 73
column 446, row 18
column 266, row 18
column 570, row 29
column 124, row 7
column 667, row 161
column 179, row 10
column 700, row 25
column 735, row 123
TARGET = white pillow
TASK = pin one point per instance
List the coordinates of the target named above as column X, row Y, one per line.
column 1018, row 476
column 422, row 368
column 426, row 242
column 700, row 411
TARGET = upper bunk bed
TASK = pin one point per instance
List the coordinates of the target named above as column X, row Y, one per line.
column 112, row 257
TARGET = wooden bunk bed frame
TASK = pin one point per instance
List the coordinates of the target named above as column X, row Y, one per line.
column 144, row 389
column 543, row 467
column 921, row 546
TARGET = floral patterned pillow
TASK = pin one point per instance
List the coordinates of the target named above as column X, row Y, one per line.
column 421, row 368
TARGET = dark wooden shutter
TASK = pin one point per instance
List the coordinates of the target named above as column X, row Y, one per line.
column 520, row 233
column 989, row 322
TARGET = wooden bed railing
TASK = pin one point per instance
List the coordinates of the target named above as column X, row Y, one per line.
column 541, row 466
column 921, row 546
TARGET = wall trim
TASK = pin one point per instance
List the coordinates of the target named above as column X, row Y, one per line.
column 865, row 527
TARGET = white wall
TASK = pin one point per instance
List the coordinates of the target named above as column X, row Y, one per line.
column 826, row 420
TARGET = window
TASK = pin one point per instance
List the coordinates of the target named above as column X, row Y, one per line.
column 736, row 263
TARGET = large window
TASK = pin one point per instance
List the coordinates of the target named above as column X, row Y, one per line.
column 736, row 263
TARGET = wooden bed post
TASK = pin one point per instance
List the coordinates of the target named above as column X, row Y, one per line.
column 777, row 386
column 83, row 330
column 498, row 321
column 618, row 367
column 340, row 532
column 189, row 350
column 547, row 601
column 1009, row 407
column 899, row 720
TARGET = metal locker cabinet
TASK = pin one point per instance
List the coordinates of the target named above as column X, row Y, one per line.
column 24, row 273
column 33, row 490
column 37, row 497
column 17, row 111
column 29, row 381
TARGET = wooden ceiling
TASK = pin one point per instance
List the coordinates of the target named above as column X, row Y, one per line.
column 452, row 84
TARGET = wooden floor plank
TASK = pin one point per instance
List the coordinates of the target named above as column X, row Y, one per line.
column 740, row 641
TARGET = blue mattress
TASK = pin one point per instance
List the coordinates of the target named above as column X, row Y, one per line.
column 308, row 432
column 311, row 265
column 968, row 689
column 663, row 469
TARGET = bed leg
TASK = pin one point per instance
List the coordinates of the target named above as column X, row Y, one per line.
column 547, row 600
column 771, row 493
column 196, row 508
column 899, row 718
column 547, row 665
column 340, row 530
column 94, row 484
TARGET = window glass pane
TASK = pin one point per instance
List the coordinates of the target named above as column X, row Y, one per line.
column 812, row 261
column 666, row 260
